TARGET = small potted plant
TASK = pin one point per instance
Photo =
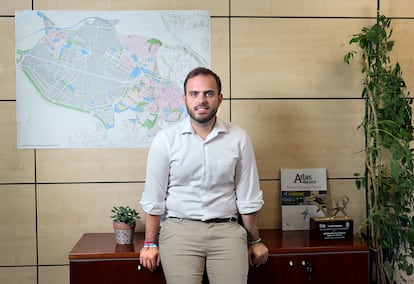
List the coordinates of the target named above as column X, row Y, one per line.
column 124, row 220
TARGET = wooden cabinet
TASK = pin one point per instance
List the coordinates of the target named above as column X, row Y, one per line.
column 296, row 259
column 113, row 271
column 96, row 258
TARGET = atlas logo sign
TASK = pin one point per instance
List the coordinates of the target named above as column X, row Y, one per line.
column 304, row 179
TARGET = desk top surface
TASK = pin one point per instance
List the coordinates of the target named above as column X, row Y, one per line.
column 104, row 246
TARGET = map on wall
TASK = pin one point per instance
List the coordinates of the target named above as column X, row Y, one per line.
column 103, row 79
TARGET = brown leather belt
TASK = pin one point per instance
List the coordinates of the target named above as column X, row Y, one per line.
column 214, row 220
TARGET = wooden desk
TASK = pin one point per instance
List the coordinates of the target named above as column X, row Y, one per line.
column 96, row 258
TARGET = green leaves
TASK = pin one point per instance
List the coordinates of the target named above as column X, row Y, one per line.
column 124, row 215
column 349, row 56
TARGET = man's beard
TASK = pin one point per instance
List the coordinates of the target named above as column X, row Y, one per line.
column 202, row 120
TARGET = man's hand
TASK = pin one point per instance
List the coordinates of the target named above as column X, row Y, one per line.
column 149, row 257
column 258, row 254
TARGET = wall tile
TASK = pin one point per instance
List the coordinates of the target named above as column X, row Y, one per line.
column 68, row 165
column 7, row 60
column 293, row 58
column 18, row 275
column 220, row 57
column 304, row 133
column 15, row 165
column 67, row 211
column 54, row 275
column 270, row 215
column 7, row 8
column 216, row 7
column 303, row 8
column 397, row 8
column 224, row 110
column 18, row 225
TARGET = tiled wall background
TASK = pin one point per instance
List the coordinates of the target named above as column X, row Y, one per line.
column 284, row 82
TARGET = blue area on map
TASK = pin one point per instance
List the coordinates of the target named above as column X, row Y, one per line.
column 147, row 71
column 166, row 111
column 182, row 109
column 138, row 108
column 135, row 72
column 120, row 107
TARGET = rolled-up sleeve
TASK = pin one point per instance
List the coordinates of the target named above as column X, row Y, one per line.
column 156, row 181
column 248, row 192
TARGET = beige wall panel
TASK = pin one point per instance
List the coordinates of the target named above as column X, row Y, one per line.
column 18, row 275
column 66, row 212
column 54, row 275
column 356, row 207
column 303, row 133
column 216, row 7
column 7, row 63
column 270, row 215
column 224, row 110
column 220, row 60
column 397, row 8
column 8, row 7
column 315, row 8
column 403, row 35
column 294, row 58
column 66, row 165
column 18, row 229
column 15, row 165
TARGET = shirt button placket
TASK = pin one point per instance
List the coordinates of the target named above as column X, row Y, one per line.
column 205, row 174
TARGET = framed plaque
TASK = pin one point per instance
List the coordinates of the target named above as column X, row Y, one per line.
column 296, row 186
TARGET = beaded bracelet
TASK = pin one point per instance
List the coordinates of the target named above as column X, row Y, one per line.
column 258, row 240
column 150, row 245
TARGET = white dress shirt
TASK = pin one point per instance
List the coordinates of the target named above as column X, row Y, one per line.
column 190, row 178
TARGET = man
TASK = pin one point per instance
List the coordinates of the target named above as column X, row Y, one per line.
column 202, row 175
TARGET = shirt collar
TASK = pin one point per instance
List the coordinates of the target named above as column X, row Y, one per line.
column 186, row 127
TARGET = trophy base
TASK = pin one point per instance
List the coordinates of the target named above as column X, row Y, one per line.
column 340, row 228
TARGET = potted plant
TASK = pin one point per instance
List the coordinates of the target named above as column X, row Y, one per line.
column 124, row 221
column 389, row 176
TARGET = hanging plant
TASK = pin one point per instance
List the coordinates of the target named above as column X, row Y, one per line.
column 388, row 178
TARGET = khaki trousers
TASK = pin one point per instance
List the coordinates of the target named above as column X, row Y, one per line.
column 188, row 247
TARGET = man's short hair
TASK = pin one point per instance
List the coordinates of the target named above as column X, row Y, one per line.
column 202, row 71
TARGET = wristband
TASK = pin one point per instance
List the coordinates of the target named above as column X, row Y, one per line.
column 256, row 241
column 150, row 245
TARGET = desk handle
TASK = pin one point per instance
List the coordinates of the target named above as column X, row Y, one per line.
column 139, row 267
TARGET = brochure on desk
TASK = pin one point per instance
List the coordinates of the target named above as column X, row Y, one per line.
column 296, row 185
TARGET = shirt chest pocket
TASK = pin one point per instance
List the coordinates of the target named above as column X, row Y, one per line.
column 221, row 171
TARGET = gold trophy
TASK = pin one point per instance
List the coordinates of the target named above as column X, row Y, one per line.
column 336, row 224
